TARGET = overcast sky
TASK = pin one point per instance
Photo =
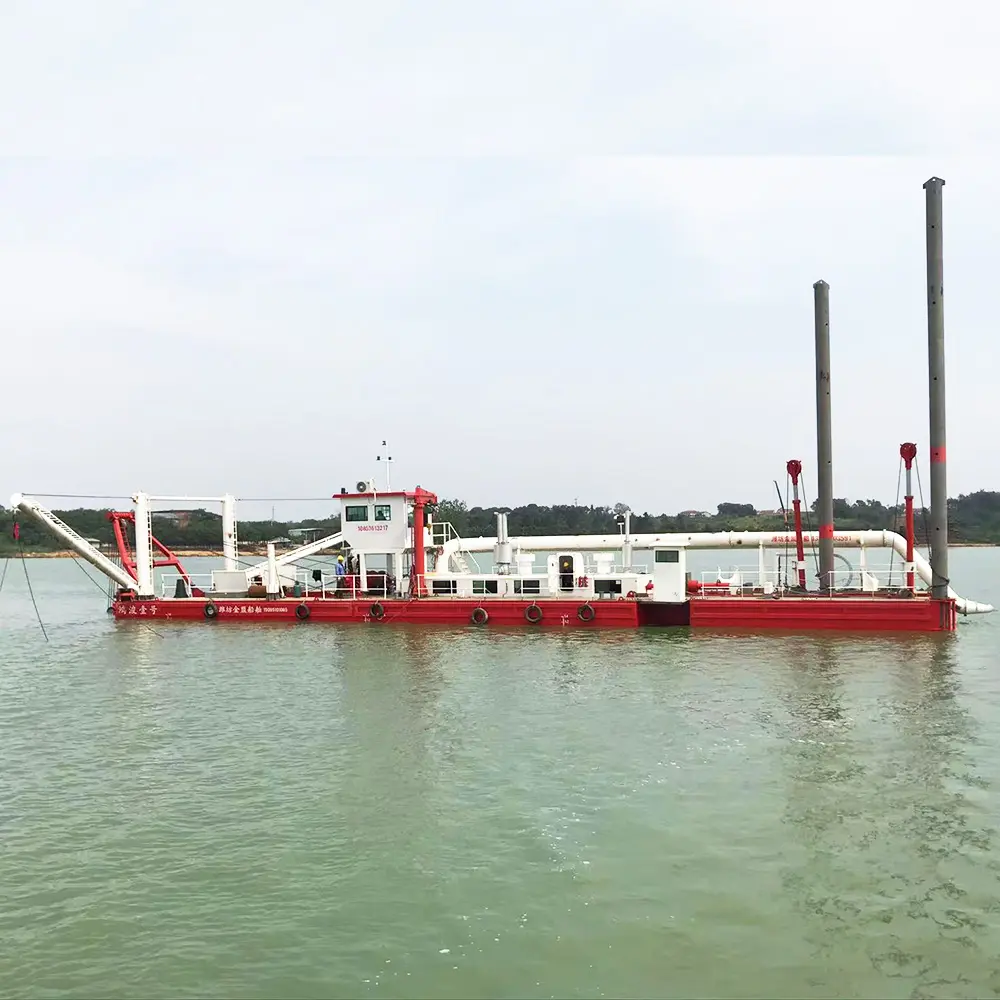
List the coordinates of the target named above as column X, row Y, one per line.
column 550, row 251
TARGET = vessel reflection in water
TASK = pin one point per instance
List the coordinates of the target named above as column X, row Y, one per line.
column 889, row 834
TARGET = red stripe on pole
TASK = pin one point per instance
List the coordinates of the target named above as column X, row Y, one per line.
column 937, row 454
column 826, row 531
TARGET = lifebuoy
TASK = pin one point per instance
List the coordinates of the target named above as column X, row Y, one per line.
column 211, row 611
column 302, row 612
column 533, row 614
column 480, row 616
column 585, row 613
column 377, row 611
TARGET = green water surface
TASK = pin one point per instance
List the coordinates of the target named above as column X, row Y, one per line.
column 261, row 811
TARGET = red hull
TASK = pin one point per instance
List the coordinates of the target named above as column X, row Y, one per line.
column 426, row 611
column 842, row 614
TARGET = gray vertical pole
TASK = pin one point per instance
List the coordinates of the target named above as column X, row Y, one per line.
column 935, row 371
column 824, row 434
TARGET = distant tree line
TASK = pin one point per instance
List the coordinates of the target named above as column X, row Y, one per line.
column 973, row 518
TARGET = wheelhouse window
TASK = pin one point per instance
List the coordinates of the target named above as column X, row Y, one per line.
column 668, row 556
column 356, row 513
column 383, row 512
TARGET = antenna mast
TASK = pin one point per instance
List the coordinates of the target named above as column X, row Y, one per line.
column 388, row 466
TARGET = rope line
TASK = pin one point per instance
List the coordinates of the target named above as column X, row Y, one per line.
column 892, row 551
column 24, row 564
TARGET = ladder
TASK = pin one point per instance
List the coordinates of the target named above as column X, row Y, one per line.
column 73, row 539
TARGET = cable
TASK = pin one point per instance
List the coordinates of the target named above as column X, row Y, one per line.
column 923, row 509
column 38, row 615
column 805, row 503
column 927, row 528
column 6, row 563
column 788, row 486
column 892, row 551
column 77, row 496
column 99, row 586
column 283, row 499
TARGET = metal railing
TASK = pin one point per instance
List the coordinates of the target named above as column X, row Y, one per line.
column 739, row 580
column 441, row 532
column 168, row 583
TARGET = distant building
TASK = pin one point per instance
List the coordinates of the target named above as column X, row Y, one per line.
column 305, row 534
column 695, row 513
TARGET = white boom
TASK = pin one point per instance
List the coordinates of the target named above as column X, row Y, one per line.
column 750, row 540
column 293, row 555
column 73, row 539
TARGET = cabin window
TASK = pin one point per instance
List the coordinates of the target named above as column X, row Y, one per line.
column 527, row 586
column 668, row 556
column 441, row 587
column 607, row 588
column 383, row 512
column 356, row 513
column 485, row 586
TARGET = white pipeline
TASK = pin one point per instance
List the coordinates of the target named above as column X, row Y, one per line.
column 712, row 540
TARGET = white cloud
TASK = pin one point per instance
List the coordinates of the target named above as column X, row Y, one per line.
column 447, row 77
column 517, row 324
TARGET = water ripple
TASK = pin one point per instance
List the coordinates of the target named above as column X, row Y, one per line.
column 203, row 811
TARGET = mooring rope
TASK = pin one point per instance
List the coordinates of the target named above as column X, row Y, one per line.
column 34, row 603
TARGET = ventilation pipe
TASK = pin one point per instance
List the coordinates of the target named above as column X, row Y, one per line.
column 501, row 551
column 229, row 542
column 273, row 582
